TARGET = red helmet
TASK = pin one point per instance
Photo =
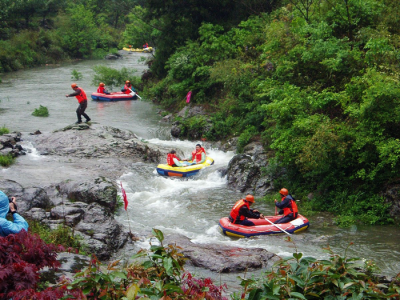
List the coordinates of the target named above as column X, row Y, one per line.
column 101, row 84
column 127, row 82
column 250, row 198
column 74, row 85
column 284, row 192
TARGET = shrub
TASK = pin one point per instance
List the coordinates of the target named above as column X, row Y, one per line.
column 22, row 255
column 4, row 130
column 62, row 235
column 339, row 277
column 42, row 111
column 114, row 78
column 76, row 75
column 6, row 160
column 159, row 275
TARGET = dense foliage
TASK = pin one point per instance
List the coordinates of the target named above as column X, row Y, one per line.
column 38, row 32
column 317, row 82
column 299, row 277
column 22, row 255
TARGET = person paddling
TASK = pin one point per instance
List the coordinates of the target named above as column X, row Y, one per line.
column 80, row 95
column 128, row 88
column 287, row 206
column 241, row 211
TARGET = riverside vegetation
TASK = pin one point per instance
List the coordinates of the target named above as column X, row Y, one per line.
column 317, row 82
column 159, row 274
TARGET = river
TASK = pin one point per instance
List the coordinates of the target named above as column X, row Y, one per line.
column 191, row 207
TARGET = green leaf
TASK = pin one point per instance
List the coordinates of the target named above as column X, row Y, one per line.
column 299, row 281
column 132, row 292
column 297, row 255
column 121, row 275
column 167, row 262
column 297, row 295
column 158, row 234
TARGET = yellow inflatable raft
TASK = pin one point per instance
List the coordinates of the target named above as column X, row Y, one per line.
column 167, row 170
column 145, row 50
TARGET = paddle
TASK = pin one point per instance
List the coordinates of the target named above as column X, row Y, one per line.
column 136, row 94
column 278, row 227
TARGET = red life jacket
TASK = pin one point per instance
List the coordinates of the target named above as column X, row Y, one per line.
column 170, row 159
column 82, row 95
column 197, row 155
column 235, row 210
column 101, row 89
column 127, row 89
column 291, row 209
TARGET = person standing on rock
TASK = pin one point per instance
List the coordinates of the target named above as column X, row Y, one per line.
column 80, row 95
column 7, row 227
column 287, row 206
column 241, row 211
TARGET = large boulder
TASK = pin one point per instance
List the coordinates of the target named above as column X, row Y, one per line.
column 223, row 259
column 245, row 171
column 100, row 190
column 9, row 144
column 87, row 207
column 392, row 197
column 98, row 142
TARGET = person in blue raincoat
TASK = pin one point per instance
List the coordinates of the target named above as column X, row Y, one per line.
column 8, row 227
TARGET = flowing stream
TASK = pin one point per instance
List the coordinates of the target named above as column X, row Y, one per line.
column 191, row 207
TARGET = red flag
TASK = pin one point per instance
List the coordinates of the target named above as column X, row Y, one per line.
column 188, row 96
column 124, row 197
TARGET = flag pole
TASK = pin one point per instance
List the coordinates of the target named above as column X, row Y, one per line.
column 125, row 198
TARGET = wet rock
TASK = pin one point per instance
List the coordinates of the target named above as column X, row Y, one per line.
column 98, row 142
column 36, row 132
column 37, row 198
column 230, row 145
column 224, row 259
column 175, row 131
column 102, row 233
column 189, row 111
column 392, row 197
column 113, row 56
column 70, row 264
column 101, row 190
column 61, row 211
column 166, row 119
column 245, row 171
column 90, row 214
column 9, row 144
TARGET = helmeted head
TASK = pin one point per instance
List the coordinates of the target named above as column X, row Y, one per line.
column 102, row 84
column 74, row 86
column 4, row 205
column 128, row 82
column 173, row 152
column 284, row 192
column 249, row 198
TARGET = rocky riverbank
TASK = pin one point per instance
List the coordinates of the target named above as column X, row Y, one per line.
column 83, row 194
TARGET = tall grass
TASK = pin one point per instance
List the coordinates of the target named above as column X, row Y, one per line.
column 4, row 130
column 6, row 160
